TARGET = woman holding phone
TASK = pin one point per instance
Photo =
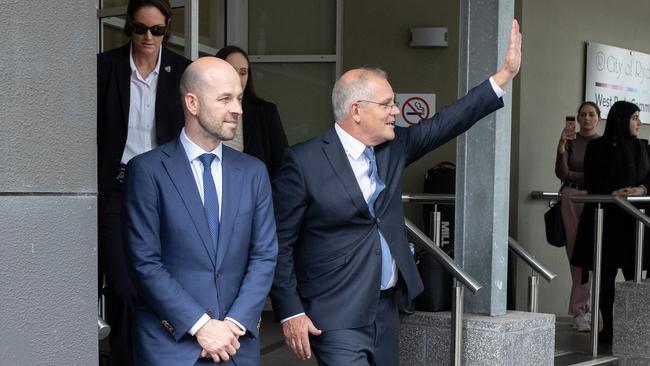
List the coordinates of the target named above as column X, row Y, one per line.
column 569, row 168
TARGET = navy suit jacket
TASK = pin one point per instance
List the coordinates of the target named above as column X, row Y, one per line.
column 178, row 274
column 329, row 260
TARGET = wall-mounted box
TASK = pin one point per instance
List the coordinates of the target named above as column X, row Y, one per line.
column 428, row 37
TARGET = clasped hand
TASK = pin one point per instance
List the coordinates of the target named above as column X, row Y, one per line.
column 219, row 339
column 629, row 191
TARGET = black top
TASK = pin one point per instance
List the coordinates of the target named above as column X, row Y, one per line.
column 264, row 137
column 610, row 166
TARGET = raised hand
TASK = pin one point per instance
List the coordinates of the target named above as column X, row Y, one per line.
column 512, row 61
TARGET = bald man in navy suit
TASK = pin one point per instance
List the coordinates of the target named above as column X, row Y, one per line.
column 201, row 233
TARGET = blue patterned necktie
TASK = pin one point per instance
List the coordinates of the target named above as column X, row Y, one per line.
column 210, row 199
column 386, row 257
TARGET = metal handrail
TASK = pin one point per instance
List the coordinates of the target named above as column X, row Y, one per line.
column 450, row 265
column 445, row 199
column 461, row 278
column 591, row 198
column 513, row 245
column 638, row 214
column 103, row 329
column 534, row 264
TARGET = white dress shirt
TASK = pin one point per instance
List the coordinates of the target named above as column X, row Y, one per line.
column 193, row 152
column 361, row 168
column 141, row 134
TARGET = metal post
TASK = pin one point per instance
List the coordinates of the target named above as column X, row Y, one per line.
column 191, row 29
column 638, row 254
column 595, row 287
column 103, row 329
column 436, row 226
column 533, row 286
column 456, row 349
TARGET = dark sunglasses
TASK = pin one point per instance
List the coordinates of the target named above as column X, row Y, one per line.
column 156, row 30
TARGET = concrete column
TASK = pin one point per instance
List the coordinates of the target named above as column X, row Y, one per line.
column 48, row 202
column 483, row 158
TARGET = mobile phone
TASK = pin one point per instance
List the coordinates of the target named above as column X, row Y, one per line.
column 570, row 122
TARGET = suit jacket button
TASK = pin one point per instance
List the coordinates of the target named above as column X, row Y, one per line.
column 378, row 221
column 168, row 327
column 378, row 251
column 210, row 313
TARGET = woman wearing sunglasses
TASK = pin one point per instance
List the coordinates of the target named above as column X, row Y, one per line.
column 139, row 108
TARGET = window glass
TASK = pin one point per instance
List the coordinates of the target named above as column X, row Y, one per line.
column 291, row 27
column 302, row 92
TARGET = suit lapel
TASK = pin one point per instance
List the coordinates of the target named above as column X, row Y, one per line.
column 230, row 197
column 337, row 158
column 178, row 169
column 123, row 75
column 165, row 84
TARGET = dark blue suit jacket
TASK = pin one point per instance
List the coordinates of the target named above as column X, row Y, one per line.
column 178, row 274
column 329, row 260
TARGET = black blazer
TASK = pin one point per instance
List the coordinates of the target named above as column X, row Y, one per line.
column 605, row 172
column 113, row 97
column 329, row 259
column 264, row 136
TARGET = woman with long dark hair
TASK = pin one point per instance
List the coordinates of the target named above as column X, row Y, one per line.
column 259, row 131
column 616, row 163
column 569, row 168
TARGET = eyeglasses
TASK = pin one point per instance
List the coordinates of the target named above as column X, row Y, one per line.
column 385, row 105
column 156, row 30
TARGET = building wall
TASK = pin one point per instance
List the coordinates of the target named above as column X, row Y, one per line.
column 48, row 250
column 552, row 86
column 377, row 34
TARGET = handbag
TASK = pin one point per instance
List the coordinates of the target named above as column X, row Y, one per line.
column 555, row 233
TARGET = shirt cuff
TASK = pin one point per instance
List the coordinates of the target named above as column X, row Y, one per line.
column 497, row 90
column 201, row 322
column 291, row 317
column 236, row 323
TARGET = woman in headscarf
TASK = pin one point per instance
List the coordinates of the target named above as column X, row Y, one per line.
column 616, row 163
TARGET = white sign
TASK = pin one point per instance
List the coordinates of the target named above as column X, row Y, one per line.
column 614, row 74
column 414, row 107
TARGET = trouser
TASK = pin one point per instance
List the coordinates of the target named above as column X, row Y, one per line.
column 120, row 292
column 376, row 344
column 571, row 211
column 607, row 294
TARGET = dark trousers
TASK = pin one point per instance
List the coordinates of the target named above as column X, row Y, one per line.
column 607, row 294
column 120, row 292
column 376, row 344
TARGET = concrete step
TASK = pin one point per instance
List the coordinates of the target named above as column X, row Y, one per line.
column 582, row 359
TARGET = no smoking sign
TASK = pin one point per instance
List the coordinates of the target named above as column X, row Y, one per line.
column 414, row 107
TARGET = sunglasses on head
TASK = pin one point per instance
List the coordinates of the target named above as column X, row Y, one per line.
column 156, row 30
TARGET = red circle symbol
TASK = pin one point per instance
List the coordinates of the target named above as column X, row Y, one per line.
column 414, row 109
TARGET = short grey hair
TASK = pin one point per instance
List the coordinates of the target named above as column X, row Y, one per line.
column 346, row 92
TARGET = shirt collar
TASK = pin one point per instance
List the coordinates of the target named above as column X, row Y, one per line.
column 351, row 145
column 193, row 150
column 156, row 69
